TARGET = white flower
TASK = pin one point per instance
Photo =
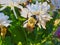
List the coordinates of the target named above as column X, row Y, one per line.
column 56, row 3
column 34, row 8
column 45, row 6
column 30, row 10
column 25, row 13
column 38, row 7
column 12, row 4
column 43, row 19
column 40, row 10
column 4, row 20
column 20, row 1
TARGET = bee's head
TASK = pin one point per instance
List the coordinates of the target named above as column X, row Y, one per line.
column 34, row 16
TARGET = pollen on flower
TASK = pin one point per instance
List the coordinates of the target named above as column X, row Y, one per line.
column 56, row 22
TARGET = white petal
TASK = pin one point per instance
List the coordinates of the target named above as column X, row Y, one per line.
column 3, row 8
column 44, row 3
column 45, row 6
column 39, row 25
column 6, row 25
column 25, row 25
column 22, row 1
column 19, row 6
column 46, row 17
column 24, row 13
column 15, row 13
column 29, row 14
column 43, row 23
column 34, row 8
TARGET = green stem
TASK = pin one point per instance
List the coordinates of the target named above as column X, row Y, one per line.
column 36, row 36
column 25, row 36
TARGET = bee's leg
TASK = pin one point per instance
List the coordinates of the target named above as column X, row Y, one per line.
column 25, row 22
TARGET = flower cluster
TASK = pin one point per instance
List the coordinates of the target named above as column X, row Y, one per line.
column 12, row 4
column 39, row 12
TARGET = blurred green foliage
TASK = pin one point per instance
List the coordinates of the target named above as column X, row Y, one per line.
column 17, row 35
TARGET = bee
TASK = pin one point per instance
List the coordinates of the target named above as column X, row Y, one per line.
column 30, row 23
column 3, row 31
column 29, row 1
